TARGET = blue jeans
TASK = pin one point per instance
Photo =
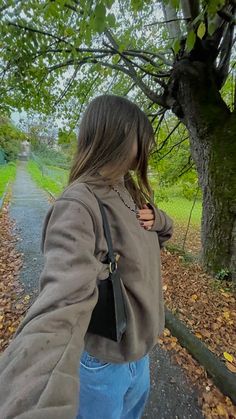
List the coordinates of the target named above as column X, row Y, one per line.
column 112, row 391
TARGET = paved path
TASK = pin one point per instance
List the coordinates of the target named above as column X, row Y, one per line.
column 168, row 400
column 28, row 207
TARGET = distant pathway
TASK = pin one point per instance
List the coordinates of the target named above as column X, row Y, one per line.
column 28, row 207
column 171, row 396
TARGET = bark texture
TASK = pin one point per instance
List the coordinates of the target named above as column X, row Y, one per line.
column 212, row 127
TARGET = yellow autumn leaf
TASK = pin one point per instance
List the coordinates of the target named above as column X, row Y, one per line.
column 26, row 297
column 11, row 329
column 198, row 335
column 166, row 332
column 226, row 314
column 221, row 410
column 229, row 357
column 172, row 344
column 194, row 297
column 225, row 294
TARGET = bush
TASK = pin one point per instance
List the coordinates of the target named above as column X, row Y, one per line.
column 10, row 139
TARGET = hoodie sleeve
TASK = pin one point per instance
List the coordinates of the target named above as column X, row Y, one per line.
column 163, row 225
column 39, row 369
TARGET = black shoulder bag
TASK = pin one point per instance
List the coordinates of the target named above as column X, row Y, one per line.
column 109, row 317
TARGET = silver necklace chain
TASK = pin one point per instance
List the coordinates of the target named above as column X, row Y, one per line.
column 127, row 205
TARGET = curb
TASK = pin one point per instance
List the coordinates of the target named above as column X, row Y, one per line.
column 224, row 379
column 50, row 193
column 4, row 195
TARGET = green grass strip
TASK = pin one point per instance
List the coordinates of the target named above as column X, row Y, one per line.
column 7, row 174
column 44, row 182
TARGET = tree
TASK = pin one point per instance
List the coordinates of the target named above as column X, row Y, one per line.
column 10, row 138
column 39, row 129
column 170, row 55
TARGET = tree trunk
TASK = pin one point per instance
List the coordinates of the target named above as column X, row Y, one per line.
column 215, row 164
column 212, row 130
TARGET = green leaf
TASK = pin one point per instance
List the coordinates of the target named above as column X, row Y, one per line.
column 111, row 20
column 201, row 30
column 191, row 38
column 115, row 59
column 69, row 31
column 176, row 46
column 100, row 11
column 122, row 47
column 136, row 5
column 174, row 4
column 211, row 28
column 214, row 5
column 99, row 22
column 99, row 25
column 74, row 53
column 88, row 36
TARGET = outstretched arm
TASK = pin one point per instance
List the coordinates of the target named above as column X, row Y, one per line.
column 39, row 368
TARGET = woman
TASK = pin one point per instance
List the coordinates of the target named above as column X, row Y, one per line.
column 54, row 367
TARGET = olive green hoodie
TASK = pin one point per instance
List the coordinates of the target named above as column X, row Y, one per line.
column 39, row 369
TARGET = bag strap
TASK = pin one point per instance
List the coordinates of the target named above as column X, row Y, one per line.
column 106, row 228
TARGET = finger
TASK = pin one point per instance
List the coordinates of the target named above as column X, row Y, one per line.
column 145, row 211
column 146, row 223
column 147, row 216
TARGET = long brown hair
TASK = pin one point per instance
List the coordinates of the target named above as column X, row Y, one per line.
column 107, row 132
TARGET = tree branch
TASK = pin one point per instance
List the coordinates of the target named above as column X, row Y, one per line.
column 173, row 146
column 225, row 54
column 136, row 54
column 132, row 73
column 158, row 22
column 228, row 17
column 190, row 9
column 133, row 64
column 166, row 139
column 77, row 49
column 159, row 123
column 27, row 28
column 154, row 54
column 188, row 167
column 67, row 88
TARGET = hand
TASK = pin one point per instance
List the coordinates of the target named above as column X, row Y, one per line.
column 146, row 217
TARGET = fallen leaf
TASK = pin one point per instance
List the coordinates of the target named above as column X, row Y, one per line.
column 229, row 357
column 230, row 367
column 221, row 410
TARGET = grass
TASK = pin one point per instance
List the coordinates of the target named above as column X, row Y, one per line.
column 43, row 181
column 7, row 174
column 179, row 209
column 58, row 174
